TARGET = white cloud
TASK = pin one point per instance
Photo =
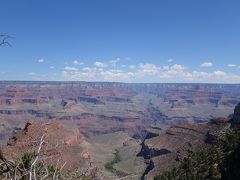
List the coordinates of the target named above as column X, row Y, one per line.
column 175, row 69
column 146, row 72
column 170, row 60
column 114, row 62
column 149, row 68
column 69, row 68
column 214, row 77
column 78, row 62
column 52, row 67
column 232, row 65
column 99, row 64
column 40, row 60
column 86, row 73
column 75, row 62
column 116, row 76
column 206, row 64
column 89, row 72
column 219, row 73
column 179, row 73
column 116, row 70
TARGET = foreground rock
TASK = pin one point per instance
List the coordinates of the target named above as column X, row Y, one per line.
column 66, row 144
column 61, row 145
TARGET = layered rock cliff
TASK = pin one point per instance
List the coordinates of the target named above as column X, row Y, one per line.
column 171, row 147
column 112, row 106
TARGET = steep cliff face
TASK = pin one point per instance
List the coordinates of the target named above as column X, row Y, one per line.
column 236, row 115
column 175, row 144
column 220, row 160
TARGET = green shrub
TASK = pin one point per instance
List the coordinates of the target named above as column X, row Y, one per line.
column 26, row 159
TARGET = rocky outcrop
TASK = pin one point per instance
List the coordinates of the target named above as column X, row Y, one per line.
column 89, row 100
column 175, row 144
column 215, row 134
column 60, row 143
column 148, row 153
column 236, row 115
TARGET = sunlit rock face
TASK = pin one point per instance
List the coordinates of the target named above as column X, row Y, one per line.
column 60, row 143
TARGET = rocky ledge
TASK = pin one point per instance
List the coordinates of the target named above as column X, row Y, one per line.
column 60, row 144
column 175, row 144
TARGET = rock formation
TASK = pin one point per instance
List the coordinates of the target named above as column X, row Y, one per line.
column 60, row 144
column 100, row 108
column 175, row 144
column 236, row 115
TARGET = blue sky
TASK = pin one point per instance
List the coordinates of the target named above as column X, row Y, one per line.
column 121, row 40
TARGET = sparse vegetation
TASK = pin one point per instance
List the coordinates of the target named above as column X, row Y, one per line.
column 220, row 161
column 116, row 159
column 27, row 168
column 30, row 166
column 109, row 165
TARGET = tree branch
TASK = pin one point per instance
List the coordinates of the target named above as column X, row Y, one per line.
column 4, row 39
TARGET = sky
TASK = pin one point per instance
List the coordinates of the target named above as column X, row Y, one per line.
column 121, row 40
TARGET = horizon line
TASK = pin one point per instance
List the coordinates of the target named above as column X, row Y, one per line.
column 111, row 82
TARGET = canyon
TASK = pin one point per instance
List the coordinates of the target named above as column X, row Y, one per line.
column 153, row 126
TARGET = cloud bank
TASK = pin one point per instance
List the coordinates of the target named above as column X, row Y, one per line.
column 146, row 72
